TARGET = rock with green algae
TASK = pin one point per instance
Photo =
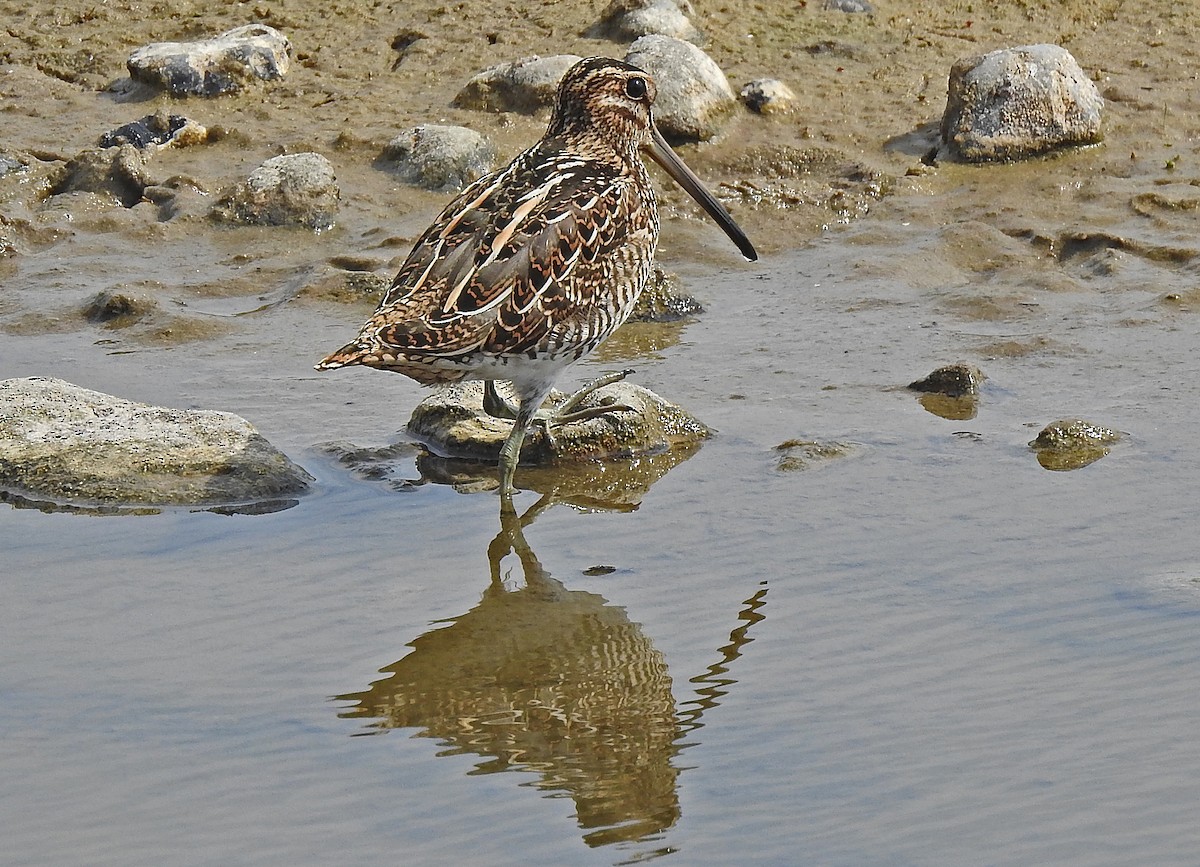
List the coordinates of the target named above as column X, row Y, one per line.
column 1072, row 443
column 452, row 423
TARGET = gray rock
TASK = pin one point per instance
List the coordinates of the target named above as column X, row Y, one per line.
column 694, row 96
column 224, row 64
column 118, row 171
column 66, row 443
column 289, row 190
column 854, row 6
column 626, row 20
column 525, row 85
column 1019, row 102
column 441, row 157
column 768, row 96
column 453, row 424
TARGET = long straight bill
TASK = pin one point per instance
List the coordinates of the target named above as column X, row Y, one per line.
column 662, row 154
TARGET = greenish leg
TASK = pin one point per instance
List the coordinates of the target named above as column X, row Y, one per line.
column 495, row 404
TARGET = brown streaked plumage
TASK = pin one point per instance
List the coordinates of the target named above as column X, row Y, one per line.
column 530, row 268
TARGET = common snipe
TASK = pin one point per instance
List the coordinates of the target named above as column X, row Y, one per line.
column 530, row 268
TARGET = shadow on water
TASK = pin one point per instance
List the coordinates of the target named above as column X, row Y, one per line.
column 560, row 683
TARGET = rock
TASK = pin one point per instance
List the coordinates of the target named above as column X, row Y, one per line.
column 952, row 380
column 224, row 64
column 452, row 423
column 525, row 85
column 694, row 96
column 951, row 392
column 66, row 443
column 159, row 130
column 1019, row 102
column 289, row 190
column 798, row 454
column 116, row 307
column 178, row 196
column 768, row 96
column 118, row 171
column 664, row 301
column 1071, row 443
column 1070, row 433
column 442, row 158
column 626, row 20
column 618, row 486
column 10, row 165
column 853, row 6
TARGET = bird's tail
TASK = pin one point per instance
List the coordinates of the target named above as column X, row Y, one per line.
column 351, row 353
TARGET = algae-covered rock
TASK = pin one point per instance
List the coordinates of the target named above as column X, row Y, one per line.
column 951, row 391
column 1071, row 443
column 452, row 423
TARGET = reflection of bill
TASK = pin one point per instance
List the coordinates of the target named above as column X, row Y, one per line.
column 559, row 682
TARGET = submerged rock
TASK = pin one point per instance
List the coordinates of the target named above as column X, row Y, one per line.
column 694, row 97
column 118, row 307
column 1071, row 443
column 66, row 443
column 626, row 20
column 289, row 190
column 211, row 67
column 952, row 391
column 663, row 300
column 441, row 158
column 1019, row 102
column 452, row 423
column 524, row 85
column 952, row 380
column 802, row 454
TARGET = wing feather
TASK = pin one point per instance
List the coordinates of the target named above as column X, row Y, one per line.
column 511, row 257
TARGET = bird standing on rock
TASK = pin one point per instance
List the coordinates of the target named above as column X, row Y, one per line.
column 530, row 268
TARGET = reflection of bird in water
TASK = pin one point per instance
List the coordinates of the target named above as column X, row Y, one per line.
column 555, row 681
column 532, row 267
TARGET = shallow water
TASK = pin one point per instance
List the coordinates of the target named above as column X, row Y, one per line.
column 926, row 650
column 939, row 648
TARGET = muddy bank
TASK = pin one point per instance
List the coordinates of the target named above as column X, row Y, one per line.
column 870, row 91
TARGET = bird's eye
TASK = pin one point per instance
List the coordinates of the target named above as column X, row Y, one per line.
column 635, row 88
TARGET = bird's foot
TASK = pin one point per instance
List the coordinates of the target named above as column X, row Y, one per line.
column 568, row 411
column 498, row 406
